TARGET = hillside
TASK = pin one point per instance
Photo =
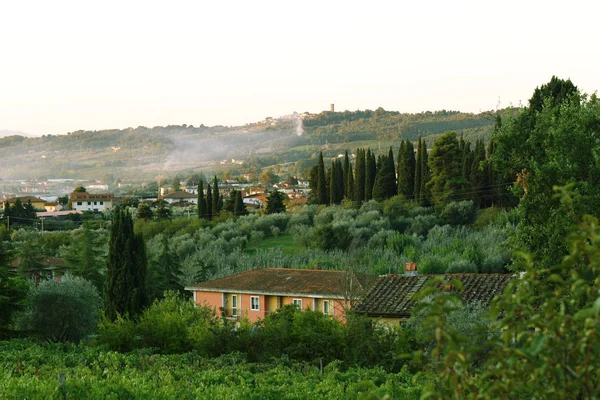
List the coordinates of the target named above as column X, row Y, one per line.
column 144, row 153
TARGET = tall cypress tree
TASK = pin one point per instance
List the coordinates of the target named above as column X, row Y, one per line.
column 201, row 200
column 478, row 174
column 391, row 187
column 209, row 202
column 379, row 190
column 371, row 173
column 406, row 170
column 350, row 190
column 239, row 207
column 322, row 194
column 217, row 201
column 125, row 288
column 345, row 172
column 418, row 177
column 359, row 178
column 425, row 174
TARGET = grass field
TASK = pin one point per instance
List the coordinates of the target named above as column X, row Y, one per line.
column 283, row 242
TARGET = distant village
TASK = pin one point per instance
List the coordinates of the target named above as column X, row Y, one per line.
column 60, row 197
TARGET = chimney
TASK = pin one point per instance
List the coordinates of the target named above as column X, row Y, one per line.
column 410, row 269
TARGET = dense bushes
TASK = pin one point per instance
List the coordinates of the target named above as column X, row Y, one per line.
column 175, row 325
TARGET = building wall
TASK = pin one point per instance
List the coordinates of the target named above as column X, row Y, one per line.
column 90, row 206
column 223, row 302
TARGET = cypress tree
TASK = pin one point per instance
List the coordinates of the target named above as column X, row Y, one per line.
column 418, row 177
column 345, row 171
column 425, row 174
column 217, row 201
column 406, row 170
column 201, row 200
column 446, row 170
column 125, row 288
column 322, row 193
column 313, row 175
column 478, row 174
column 370, row 174
column 209, row 202
column 350, row 193
column 391, row 187
column 359, row 178
column 239, row 207
column 379, row 185
column 328, row 186
column 332, row 185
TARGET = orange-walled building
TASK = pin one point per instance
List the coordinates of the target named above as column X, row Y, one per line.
column 255, row 294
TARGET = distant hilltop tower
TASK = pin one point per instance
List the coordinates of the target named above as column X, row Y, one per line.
column 332, row 107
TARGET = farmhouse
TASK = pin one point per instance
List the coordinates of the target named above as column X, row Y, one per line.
column 83, row 201
column 36, row 202
column 255, row 294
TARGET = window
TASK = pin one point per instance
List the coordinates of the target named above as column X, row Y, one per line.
column 326, row 307
column 78, row 203
column 234, row 305
column 255, row 303
column 298, row 303
column 89, row 203
column 95, row 203
column 101, row 203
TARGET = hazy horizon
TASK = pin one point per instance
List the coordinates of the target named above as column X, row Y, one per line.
column 70, row 66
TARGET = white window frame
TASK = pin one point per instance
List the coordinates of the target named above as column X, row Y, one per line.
column 297, row 303
column 253, row 306
column 234, row 308
column 327, row 310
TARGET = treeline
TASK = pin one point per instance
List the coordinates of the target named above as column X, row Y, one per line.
column 452, row 171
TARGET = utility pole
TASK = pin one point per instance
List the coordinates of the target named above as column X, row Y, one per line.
column 42, row 219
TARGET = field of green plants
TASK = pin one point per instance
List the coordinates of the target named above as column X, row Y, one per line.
column 67, row 371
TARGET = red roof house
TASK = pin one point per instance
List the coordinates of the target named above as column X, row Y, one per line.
column 255, row 294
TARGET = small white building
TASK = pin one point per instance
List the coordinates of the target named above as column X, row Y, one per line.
column 83, row 201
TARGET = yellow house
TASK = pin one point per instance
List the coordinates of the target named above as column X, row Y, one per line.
column 36, row 202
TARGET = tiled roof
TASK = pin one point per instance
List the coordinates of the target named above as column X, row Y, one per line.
column 290, row 281
column 84, row 196
column 179, row 195
column 25, row 199
column 46, row 261
column 391, row 295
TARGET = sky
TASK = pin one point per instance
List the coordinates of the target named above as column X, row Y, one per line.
column 79, row 65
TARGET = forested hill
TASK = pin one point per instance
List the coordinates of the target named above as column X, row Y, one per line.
column 147, row 152
column 381, row 124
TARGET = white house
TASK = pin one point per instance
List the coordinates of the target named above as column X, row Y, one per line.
column 83, row 201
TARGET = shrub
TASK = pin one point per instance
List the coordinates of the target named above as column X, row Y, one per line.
column 459, row 213
column 66, row 311
column 431, row 264
column 421, row 224
column 461, row 266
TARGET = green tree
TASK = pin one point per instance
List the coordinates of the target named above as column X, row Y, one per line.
column 176, row 185
column 425, row 194
column 13, row 294
column 162, row 210
column 406, row 170
column 80, row 189
column 346, row 173
column 216, row 198
column 125, row 288
column 239, row 207
column 540, row 149
column 322, row 194
column 359, row 178
column 85, row 256
column 201, row 200
column 478, row 177
column 66, row 311
column 370, row 174
column 163, row 272
column 209, row 202
column 418, row 171
column 336, row 183
column 446, row 169
column 350, row 192
column 144, row 212
column 275, row 202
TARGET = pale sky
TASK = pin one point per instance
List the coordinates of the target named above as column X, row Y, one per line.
column 70, row 65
